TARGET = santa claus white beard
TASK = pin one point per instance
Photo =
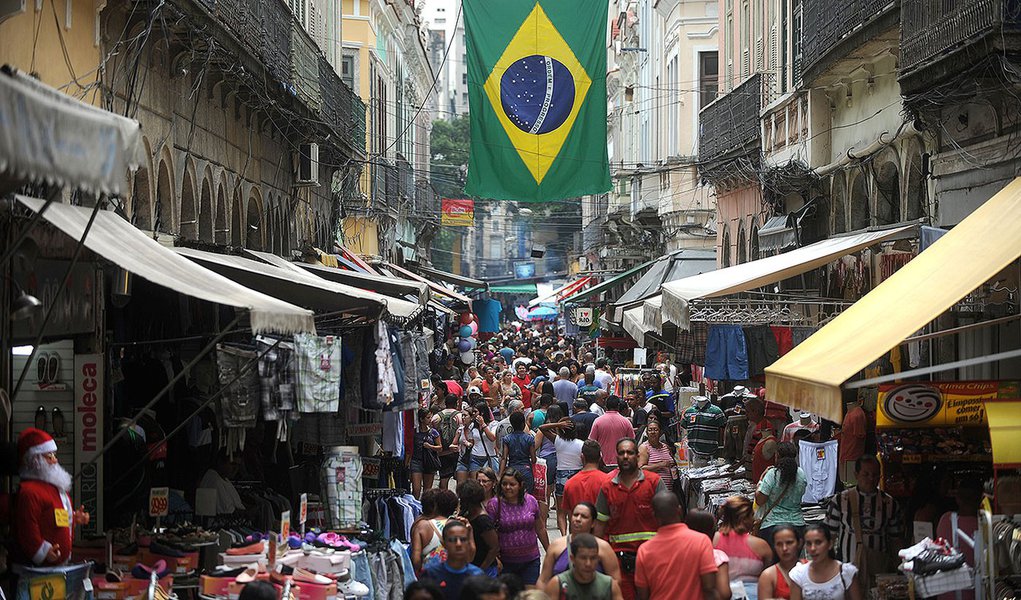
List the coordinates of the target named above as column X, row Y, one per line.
column 54, row 474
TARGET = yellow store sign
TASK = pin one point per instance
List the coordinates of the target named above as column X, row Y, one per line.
column 941, row 403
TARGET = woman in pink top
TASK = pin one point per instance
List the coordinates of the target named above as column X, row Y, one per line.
column 654, row 455
column 748, row 554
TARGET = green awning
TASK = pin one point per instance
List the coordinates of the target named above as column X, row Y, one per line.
column 514, row 288
column 611, row 282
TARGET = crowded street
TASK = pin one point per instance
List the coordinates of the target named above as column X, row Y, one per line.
column 510, row 300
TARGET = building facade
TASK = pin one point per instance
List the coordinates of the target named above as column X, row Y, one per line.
column 661, row 68
column 390, row 211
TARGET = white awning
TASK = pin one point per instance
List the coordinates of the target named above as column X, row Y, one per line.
column 765, row 271
column 391, row 286
column 49, row 136
column 301, row 288
column 121, row 243
column 633, row 323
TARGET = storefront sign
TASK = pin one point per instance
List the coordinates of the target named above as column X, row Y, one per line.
column 941, row 403
column 88, row 438
column 370, row 468
column 458, row 212
column 364, row 429
column 159, row 502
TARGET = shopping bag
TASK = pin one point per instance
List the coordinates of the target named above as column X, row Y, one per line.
column 539, row 477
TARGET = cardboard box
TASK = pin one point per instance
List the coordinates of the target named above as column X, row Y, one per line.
column 313, row 591
column 214, row 586
column 105, row 590
column 178, row 565
column 138, row 588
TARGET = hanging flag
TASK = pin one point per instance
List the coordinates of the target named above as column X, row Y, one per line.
column 537, row 92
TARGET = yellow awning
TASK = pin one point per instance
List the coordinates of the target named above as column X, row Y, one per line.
column 1005, row 432
column 809, row 376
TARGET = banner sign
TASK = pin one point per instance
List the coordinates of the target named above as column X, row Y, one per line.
column 458, row 212
column 941, row 403
column 88, row 438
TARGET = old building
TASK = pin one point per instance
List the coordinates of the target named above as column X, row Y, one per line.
column 391, row 211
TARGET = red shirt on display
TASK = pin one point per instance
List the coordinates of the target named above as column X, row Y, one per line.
column 852, row 435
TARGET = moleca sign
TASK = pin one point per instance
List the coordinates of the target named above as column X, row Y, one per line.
column 941, row 403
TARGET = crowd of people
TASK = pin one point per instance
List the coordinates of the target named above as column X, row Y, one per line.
column 537, row 426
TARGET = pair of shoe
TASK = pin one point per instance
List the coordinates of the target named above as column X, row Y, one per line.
column 57, row 420
column 334, row 540
column 254, row 548
column 141, row 571
column 248, row 574
column 165, row 550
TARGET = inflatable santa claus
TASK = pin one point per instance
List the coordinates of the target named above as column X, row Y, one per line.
column 43, row 514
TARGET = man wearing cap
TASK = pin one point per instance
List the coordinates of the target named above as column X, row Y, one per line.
column 43, row 513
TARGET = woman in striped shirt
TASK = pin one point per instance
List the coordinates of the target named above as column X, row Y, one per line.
column 654, row 455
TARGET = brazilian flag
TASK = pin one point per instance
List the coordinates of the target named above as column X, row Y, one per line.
column 537, row 92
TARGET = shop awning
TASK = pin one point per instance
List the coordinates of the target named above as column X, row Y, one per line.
column 672, row 267
column 514, row 288
column 1005, row 432
column 979, row 247
column 561, row 293
column 778, row 233
column 388, row 286
column 121, row 243
column 452, row 278
column 612, row 282
column 302, row 289
column 765, row 271
column 432, row 284
column 391, row 286
column 51, row 137
column 633, row 320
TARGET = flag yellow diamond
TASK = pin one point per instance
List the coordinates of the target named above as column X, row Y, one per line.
column 537, row 89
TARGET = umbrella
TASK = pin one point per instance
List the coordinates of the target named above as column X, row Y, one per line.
column 542, row 313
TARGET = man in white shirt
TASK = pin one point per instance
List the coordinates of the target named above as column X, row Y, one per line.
column 603, row 376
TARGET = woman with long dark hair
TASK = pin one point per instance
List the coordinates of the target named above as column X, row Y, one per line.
column 520, row 526
column 487, row 546
column 583, row 520
column 775, row 581
column 825, row 578
column 780, row 491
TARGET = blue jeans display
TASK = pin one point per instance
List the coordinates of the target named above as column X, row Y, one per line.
column 726, row 354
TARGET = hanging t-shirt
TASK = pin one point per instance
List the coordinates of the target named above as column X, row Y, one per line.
column 819, row 461
column 319, row 361
column 488, row 312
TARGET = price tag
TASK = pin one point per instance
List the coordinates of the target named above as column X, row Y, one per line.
column 159, row 501
column 285, row 525
column 303, row 515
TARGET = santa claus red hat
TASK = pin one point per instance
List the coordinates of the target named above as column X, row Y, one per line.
column 33, row 442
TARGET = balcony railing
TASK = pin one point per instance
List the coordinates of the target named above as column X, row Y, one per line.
column 931, row 28
column 731, row 122
column 828, row 22
column 268, row 32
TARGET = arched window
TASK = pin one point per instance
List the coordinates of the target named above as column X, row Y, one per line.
column 861, row 216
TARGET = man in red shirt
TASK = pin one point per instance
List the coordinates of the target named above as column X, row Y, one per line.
column 677, row 562
column 523, row 381
column 584, row 485
column 610, row 428
column 852, row 441
column 624, row 511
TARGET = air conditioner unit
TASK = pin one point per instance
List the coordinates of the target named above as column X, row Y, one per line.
column 308, row 165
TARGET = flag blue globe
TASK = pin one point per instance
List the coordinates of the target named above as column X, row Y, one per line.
column 537, row 94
